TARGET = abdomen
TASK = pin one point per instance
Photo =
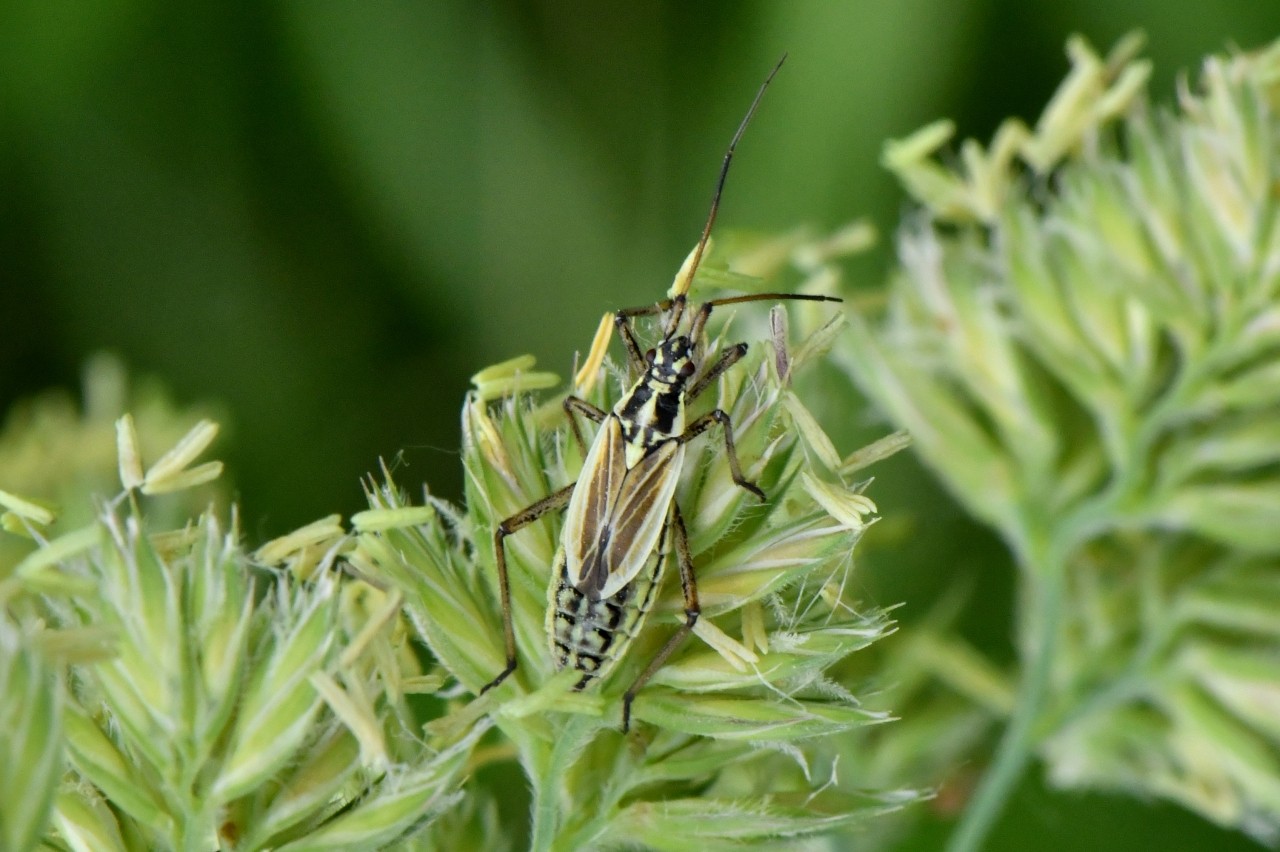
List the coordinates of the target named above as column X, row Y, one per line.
column 589, row 633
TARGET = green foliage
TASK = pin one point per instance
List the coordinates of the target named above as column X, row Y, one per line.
column 207, row 703
column 1082, row 341
column 1083, row 344
column 165, row 688
column 31, row 745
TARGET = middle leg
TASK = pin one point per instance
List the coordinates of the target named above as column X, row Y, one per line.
column 704, row 423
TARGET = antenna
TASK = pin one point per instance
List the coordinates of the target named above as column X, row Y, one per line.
column 715, row 199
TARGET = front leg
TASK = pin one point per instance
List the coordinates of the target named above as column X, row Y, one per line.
column 622, row 322
column 727, row 359
column 574, row 404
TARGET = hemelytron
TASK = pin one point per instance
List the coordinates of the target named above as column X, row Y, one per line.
column 622, row 514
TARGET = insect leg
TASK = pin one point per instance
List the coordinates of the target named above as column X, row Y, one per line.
column 621, row 321
column 704, row 423
column 574, row 404
column 728, row 358
column 692, row 609
column 521, row 519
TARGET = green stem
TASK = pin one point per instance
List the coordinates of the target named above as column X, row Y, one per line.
column 1019, row 740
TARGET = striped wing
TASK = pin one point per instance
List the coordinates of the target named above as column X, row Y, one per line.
column 593, row 497
column 616, row 516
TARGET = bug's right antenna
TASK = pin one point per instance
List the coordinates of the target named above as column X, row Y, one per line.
column 683, row 287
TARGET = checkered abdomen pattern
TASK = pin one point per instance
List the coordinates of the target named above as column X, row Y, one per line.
column 587, row 633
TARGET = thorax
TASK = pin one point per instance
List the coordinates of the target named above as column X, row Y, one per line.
column 651, row 412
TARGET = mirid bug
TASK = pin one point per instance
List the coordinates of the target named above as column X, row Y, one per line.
column 622, row 513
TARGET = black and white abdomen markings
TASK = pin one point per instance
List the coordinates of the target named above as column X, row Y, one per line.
column 587, row 633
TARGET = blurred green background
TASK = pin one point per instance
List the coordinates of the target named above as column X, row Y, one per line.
column 325, row 216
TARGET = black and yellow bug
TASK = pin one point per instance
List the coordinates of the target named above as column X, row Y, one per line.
column 622, row 510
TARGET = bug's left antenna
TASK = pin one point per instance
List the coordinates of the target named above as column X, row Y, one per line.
column 684, row 285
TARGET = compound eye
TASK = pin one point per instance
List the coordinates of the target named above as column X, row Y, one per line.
column 648, row 357
column 687, row 369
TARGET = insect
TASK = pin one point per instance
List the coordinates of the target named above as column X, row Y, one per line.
column 622, row 513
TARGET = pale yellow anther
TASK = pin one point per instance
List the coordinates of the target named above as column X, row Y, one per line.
column 379, row 520
column 278, row 549
column 734, row 652
column 27, row 509
column 129, row 459
column 427, row 684
column 585, row 379
column 754, row 634
column 848, row 507
column 170, row 473
column 812, row 434
column 515, row 375
column 684, row 278
column 904, row 153
column 504, row 369
column 488, row 439
column 357, row 713
column 188, row 478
